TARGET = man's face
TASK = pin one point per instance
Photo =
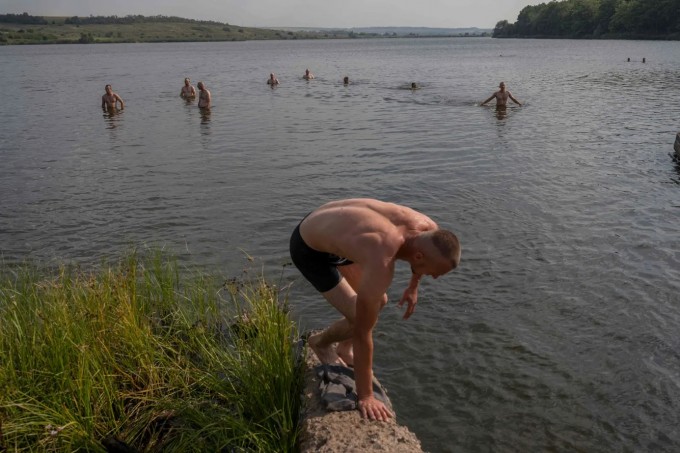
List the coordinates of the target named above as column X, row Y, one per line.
column 109, row 90
column 502, row 86
column 431, row 262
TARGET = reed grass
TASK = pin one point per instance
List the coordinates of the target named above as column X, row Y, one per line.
column 136, row 355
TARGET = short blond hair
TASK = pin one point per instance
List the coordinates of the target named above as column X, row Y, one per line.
column 448, row 245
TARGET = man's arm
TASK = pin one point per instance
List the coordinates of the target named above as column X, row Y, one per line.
column 411, row 295
column 513, row 99
column 490, row 97
column 103, row 102
column 374, row 283
column 118, row 98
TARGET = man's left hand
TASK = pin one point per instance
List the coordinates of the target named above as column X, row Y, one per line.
column 410, row 296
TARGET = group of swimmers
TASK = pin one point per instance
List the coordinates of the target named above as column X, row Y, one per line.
column 189, row 92
column 273, row 80
column 110, row 99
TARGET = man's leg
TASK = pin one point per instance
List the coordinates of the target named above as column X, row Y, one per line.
column 343, row 298
column 352, row 273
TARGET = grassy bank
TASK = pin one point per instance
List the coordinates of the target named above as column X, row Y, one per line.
column 56, row 31
column 145, row 354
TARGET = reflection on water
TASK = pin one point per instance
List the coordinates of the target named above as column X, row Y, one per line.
column 205, row 120
column 499, row 111
column 112, row 116
column 676, row 160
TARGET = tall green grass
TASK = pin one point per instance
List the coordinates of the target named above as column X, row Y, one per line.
column 139, row 355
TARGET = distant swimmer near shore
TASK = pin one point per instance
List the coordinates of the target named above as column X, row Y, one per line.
column 308, row 75
column 502, row 97
column 345, row 80
column 272, row 80
column 188, row 90
column 110, row 100
column 414, row 86
column 204, row 98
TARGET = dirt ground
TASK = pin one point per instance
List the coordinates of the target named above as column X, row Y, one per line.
column 346, row 431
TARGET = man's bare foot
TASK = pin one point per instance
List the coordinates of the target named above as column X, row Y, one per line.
column 325, row 355
column 345, row 351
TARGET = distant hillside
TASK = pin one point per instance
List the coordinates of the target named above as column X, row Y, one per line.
column 26, row 29
column 398, row 31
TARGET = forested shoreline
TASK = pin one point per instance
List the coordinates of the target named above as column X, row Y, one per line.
column 587, row 19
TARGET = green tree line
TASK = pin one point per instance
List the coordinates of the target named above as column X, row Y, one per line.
column 24, row 18
column 655, row 19
column 135, row 19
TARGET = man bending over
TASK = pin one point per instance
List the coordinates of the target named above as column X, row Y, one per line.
column 347, row 249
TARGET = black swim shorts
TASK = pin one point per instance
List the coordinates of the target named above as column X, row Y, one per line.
column 320, row 268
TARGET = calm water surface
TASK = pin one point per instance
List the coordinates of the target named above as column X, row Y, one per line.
column 559, row 331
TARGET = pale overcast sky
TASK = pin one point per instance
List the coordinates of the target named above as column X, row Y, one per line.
column 293, row 13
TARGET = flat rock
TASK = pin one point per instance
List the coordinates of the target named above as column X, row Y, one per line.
column 345, row 431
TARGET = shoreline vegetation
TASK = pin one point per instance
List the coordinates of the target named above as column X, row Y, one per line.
column 145, row 355
column 27, row 29
column 596, row 19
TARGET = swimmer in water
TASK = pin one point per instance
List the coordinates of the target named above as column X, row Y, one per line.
column 204, row 98
column 308, row 75
column 188, row 90
column 110, row 99
column 502, row 96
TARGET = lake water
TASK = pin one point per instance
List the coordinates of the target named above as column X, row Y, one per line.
column 559, row 331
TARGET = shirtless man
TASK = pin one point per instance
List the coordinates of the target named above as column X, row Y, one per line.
column 362, row 239
column 502, row 97
column 204, row 99
column 110, row 99
column 188, row 90
column 308, row 75
column 272, row 80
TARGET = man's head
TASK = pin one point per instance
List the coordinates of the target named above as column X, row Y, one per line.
column 435, row 253
column 108, row 89
column 200, row 86
column 187, row 81
column 502, row 86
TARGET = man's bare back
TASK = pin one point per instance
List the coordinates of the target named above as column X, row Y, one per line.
column 345, row 227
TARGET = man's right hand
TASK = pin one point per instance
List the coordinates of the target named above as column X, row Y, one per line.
column 372, row 408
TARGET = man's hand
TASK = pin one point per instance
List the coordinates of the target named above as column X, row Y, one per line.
column 374, row 409
column 410, row 296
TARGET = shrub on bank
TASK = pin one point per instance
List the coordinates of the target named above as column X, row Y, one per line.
column 138, row 355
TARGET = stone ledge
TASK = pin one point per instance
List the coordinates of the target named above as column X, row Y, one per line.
column 341, row 432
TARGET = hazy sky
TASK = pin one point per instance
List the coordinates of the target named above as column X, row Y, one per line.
column 293, row 13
